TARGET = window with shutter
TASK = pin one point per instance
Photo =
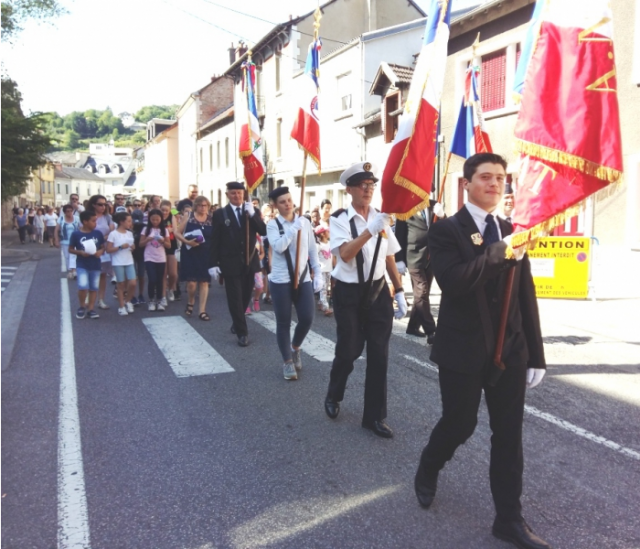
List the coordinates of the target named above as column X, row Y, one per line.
column 493, row 80
column 391, row 104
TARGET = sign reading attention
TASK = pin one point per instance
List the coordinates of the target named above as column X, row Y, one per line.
column 560, row 267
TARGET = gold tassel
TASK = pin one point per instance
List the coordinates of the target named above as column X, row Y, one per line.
column 567, row 159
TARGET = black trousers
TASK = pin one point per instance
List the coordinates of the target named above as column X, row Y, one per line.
column 460, row 401
column 239, row 289
column 352, row 335
column 421, row 316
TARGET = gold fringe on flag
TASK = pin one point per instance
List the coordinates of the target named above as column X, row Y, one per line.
column 530, row 237
column 312, row 156
column 567, row 159
column 255, row 185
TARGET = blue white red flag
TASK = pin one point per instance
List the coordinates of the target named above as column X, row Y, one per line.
column 306, row 128
column 250, row 146
column 470, row 136
column 408, row 174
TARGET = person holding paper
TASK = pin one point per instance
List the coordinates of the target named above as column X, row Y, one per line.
column 195, row 232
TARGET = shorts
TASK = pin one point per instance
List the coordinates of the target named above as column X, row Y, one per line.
column 106, row 268
column 88, row 280
column 124, row 272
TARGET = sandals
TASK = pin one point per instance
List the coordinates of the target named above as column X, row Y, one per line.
column 204, row 316
column 189, row 310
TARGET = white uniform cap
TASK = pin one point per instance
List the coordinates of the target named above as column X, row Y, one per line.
column 359, row 172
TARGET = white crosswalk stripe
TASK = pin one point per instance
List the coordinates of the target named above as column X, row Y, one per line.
column 6, row 276
column 315, row 345
column 186, row 350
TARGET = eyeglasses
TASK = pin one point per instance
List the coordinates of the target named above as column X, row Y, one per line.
column 366, row 186
column 137, row 204
column 101, row 203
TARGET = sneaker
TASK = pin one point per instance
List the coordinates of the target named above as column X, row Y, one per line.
column 134, row 302
column 160, row 306
column 152, row 305
column 170, row 295
column 129, row 307
column 93, row 315
column 81, row 313
column 248, row 311
column 296, row 358
column 256, row 306
column 141, row 300
column 115, row 292
column 75, row 275
column 102, row 305
column 289, row 371
column 164, row 303
column 122, row 311
column 177, row 294
column 114, row 280
column 70, row 275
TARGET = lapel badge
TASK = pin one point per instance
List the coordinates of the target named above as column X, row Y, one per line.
column 477, row 239
column 227, row 222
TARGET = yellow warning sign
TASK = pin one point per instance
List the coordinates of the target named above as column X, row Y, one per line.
column 560, row 267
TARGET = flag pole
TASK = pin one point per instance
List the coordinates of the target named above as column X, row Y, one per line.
column 442, row 183
column 246, row 192
column 302, row 185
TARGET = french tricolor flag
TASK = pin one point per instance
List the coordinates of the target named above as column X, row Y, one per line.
column 470, row 136
column 306, row 128
column 250, row 146
column 408, row 174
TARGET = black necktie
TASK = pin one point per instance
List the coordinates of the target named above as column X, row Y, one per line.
column 239, row 214
column 491, row 235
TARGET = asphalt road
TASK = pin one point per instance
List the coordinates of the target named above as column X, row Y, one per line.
column 246, row 459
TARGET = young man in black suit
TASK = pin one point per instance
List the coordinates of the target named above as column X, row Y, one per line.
column 414, row 256
column 228, row 254
column 469, row 262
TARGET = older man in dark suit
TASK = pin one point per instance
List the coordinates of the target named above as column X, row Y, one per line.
column 468, row 255
column 229, row 254
column 414, row 257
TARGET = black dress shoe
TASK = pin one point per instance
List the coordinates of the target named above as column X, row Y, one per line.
column 416, row 332
column 431, row 338
column 243, row 341
column 379, row 428
column 332, row 407
column 233, row 329
column 425, row 484
column 518, row 533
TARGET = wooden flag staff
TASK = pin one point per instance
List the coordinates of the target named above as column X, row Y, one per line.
column 299, row 240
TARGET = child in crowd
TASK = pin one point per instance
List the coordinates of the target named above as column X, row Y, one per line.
column 87, row 244
column 38, row 225
column 67, row 224
column 120, row 244
column 326, row 262
column 155, row 240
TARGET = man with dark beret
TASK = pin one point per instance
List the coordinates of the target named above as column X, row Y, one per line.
column 229, row 254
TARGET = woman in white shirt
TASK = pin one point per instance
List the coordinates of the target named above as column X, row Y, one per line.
column 282, row 232
column 50, row 221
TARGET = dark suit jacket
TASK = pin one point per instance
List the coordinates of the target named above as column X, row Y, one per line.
column 412, row 237
column 464, row 272
column 228, row 243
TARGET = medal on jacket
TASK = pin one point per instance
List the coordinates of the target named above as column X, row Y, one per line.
column 476, row 238
column 227, row 222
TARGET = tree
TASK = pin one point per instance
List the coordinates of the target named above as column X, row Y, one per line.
column 23, row 141
column 16, row 12
column 71, row 140
column 145, row 114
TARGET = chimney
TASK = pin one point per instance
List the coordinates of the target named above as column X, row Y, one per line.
column 242, row 49
column 232, row 54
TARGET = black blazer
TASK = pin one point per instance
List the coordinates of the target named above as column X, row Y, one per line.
column 466, row 272
column 412, row 237
column 228, row 242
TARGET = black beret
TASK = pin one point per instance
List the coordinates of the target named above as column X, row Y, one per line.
column 235, row 185
column 277, row 192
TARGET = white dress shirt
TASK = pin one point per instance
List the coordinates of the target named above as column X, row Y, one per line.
column 279, row 243
column 340, row 230
column 479, row 215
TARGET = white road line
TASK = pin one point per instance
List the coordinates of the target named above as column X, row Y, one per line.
column 5, row 280
column 3, row 288
column 63, row 263
column 557, row 421
column 186, row 350
column 73, row 521
column 315, row 345
column 9, row 268
column 400, row 329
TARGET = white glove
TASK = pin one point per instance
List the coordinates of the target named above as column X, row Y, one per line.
column 215, row 272
column 517, row 252
column 248, row 207
column 402, row 305
column 318, row 283
column 378, row 223
column 297, row 224
column 438, row 210
column 534, row 377
column 402, row 267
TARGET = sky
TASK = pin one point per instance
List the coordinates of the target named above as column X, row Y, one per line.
column 126, row 54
